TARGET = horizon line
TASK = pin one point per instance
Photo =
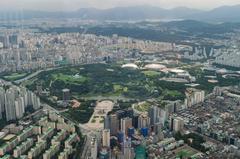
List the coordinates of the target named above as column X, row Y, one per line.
column 107, row 8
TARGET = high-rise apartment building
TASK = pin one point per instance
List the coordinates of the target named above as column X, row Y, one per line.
column 194, row 96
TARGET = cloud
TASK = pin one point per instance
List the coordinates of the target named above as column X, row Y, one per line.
column 76, row 4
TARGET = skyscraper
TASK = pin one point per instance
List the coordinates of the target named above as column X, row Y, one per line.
column 176, row 124
column 5, row 40
column 114, row 124
column 10, row 104
column 106, row 138
column 127, row 149
column 29, row 98
column 125, row 124
column 135, row 121
column 143, row 121
column 19, row 106
column 36, row 101
column 107, row 122
column 157, row 128
column 14, row 100
column 66, row 94
column 164, row 114
column 154, row 113
column 2, row 101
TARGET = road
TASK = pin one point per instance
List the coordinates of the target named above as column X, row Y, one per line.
column 33, row 75
column 39, row 71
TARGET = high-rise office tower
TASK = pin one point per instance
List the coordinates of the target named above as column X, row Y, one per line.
column 120, row 114
column 143, row 121
column 106, row 137
column 129, row 112
column 135, row 121
column 114, row 124
column 127, row 149
column 125, row 124
column 107, row 122
column 66, row 94
column 154, row 113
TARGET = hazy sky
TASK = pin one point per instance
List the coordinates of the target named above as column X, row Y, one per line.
column 76, row 4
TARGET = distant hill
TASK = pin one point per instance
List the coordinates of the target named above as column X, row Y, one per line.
column 221, row 14
column 118, row 13
column 173, row 31
column 135, row 13
column 202, row 27
column 187, row 24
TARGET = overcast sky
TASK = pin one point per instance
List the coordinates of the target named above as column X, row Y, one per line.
column 61, row 5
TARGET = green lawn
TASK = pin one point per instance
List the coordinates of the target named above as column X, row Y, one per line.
column 69, row 78
column 172, row 95
column 143, row 107
column 93, row 121
column 151, row 73
column 185, row 153
column 119, row 88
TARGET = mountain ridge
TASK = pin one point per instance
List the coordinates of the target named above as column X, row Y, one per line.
column 220, row 14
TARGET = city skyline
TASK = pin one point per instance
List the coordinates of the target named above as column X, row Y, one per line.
column 65, row 5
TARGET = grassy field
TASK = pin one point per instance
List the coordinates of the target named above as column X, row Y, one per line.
column 151, row 73
column 69, row 78
column 119, row 89
column 185, row 153
column 172, row 95
column 142, row 107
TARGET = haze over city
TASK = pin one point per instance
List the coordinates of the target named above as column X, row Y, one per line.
column 70, row 5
